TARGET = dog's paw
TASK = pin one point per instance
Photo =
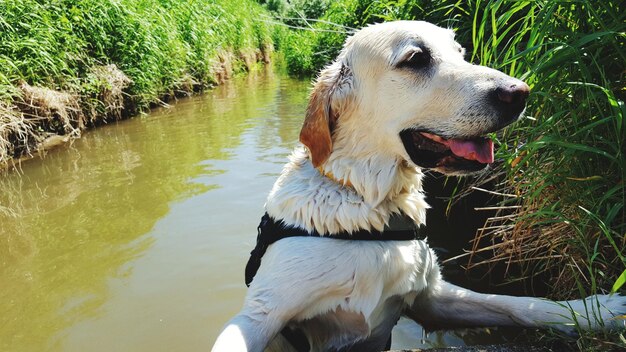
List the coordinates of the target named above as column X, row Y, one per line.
column 601, row 312
column 616, row 307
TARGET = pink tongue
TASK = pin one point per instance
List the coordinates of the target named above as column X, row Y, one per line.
column 481, row 152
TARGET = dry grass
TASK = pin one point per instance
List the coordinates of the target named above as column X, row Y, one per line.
column 16, row 134
column 112, row 82
column 524, row 235
column 51, row 110
column 249, row 57
column 186, row 85
column 38, row 114
column 266, row 53
column 222, row 68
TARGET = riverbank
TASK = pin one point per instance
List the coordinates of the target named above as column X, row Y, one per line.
column 70, row 66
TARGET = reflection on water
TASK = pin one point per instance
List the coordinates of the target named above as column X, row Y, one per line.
column 135, row 237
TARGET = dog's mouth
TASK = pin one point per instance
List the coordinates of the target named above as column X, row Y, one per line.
column 447, row 155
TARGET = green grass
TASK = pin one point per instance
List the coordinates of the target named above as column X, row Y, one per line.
column 153, row 49
column 565, row 162
column 155, row 42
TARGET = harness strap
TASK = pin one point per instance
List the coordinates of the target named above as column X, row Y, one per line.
column 400, row 228
column 297, row 339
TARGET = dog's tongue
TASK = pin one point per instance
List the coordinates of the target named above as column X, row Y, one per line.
column 479, row 150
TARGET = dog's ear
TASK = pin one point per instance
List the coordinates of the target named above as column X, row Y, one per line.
column 322, row 112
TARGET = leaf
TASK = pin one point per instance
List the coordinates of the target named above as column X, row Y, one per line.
column 621, row 280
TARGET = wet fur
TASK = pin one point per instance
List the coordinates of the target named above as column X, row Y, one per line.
column 347, row 295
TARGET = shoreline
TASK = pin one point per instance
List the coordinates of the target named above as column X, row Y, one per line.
column 123, row 108
column 69, row 67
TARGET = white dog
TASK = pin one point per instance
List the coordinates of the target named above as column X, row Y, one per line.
column 399, row 98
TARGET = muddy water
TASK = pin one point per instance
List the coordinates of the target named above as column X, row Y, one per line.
column 135, row 237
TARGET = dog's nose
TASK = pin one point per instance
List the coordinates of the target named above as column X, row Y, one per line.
column 514, row 94
column 510, row 99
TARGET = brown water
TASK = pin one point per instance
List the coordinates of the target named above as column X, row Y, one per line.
column 135, row 237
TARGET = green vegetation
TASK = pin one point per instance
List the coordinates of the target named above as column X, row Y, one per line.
column 69, row 64
column 563, row 167
column 76, row 63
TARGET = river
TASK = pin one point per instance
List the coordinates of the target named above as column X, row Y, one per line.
column 135, row 236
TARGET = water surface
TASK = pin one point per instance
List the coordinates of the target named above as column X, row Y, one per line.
column 135, row 237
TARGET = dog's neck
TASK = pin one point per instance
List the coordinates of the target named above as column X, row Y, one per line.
column 305, row 197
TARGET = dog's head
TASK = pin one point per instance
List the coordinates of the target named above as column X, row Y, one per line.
column 403, row 90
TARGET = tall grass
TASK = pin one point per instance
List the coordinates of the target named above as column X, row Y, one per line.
column 153, row 48
column 563, row 167
column 566, row 163
column 155, row 42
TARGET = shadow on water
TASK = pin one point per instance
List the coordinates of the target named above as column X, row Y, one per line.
column 135, row 237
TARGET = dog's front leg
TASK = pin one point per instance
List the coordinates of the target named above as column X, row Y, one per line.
column 298, row 279
column 269, row 305
column 248, row 331
column 448, row 306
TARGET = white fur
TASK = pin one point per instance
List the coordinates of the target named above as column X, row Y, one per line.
column 349, row 294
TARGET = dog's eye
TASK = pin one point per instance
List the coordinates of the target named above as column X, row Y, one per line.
column 416, row 59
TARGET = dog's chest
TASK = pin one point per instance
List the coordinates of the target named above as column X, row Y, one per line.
column 339, row 330
column 355, row 290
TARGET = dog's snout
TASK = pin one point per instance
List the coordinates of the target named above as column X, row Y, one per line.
column 510, row 99
column 514, row 94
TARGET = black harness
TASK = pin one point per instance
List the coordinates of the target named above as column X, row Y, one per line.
column 400, row 228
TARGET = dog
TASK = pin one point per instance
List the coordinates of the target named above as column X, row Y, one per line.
column 398, row 100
